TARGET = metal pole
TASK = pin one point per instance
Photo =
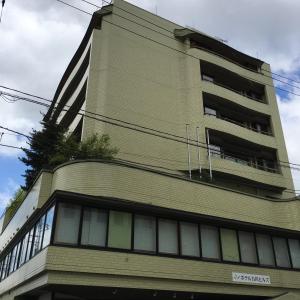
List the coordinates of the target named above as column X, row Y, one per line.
column 209, row 154
column 199, row 155
column 188, row 149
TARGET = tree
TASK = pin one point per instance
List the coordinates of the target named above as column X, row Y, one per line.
column 52, row 146
column 43, row 146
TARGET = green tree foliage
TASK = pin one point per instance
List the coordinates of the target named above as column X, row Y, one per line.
column 15, row 202
column 93, row 147
column 42, row 147
column 51, row 147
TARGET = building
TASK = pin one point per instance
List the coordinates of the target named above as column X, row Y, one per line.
column 198, row 204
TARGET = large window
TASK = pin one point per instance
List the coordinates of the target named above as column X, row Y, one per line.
column 295, row 252
column 94, row 227
column 48, row 227
column 210, row 242
column 247, row 247
column 265, row 250
column 119, row 232
column 81, row 226
column 144, row 233
column 281, row 252
column 38, row 236
column 230, row 249
column 167, row 236
column 189, row 238
column 67, row 225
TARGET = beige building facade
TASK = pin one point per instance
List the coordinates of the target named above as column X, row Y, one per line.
column 199, row 202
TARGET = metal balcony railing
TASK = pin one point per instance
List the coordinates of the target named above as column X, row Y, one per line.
column 251, row 163
column 240, row 124
column 243, row 93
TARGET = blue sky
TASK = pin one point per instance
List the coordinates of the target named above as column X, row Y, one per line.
column 49, row 34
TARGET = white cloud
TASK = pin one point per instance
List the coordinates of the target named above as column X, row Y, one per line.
column 38, row 39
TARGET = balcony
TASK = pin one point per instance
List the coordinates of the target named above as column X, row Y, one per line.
column 204, row 42
column 243, row 152
column 233, row 82
column 226, row 110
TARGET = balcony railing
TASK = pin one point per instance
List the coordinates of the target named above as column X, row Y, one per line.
column 240, row 124
column 251, row 163
column 249, row 95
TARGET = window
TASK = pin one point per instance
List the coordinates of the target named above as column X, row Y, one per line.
column 67, row 223
column 23, row 250
column 189, row 238
column 265, row 250
column 5, row 265
column 281, row 252
column 248, row 248
column 94, row 225
column 12, row 260
column 144, row 233
column 38, row 236
column 295, row 252
column 119, row 233
column 214, row 150
column 48, row 227
column 167, row 236
column 30, row 242
column 16, row 264
column 210, row 243
column 210, row 111
column 206, row 77
column 230, row 249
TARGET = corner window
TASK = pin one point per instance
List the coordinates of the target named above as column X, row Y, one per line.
column 67, row 224
column 295, row 252
column 48, row 227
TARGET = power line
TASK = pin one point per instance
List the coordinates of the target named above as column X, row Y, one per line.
column 171, row 37
column 142, row 129
column 14, row 131
column 177, row 50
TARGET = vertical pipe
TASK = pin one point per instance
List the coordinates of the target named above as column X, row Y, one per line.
column 199, row 155
column 209, row 154
column 188, row 149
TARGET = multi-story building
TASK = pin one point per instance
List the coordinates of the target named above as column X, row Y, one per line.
column 198, row 203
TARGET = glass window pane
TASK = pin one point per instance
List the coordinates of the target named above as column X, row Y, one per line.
column 38, row 235
column 67, row 223
column 119, row 233
column 189, row 237
column 16, row 264
column 229, row 244
column 167, row 236
column 265, row 250
column 248, row 248
column 210, row 242
column 281, row 252
column 144, row 233
column 30, row 242
column 94, row 226
column 23, row 249
column 48, row 227
column 12, row 260
column 295, row 252
column 3, row 275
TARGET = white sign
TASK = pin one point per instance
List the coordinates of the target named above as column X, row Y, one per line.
column 250, row 278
